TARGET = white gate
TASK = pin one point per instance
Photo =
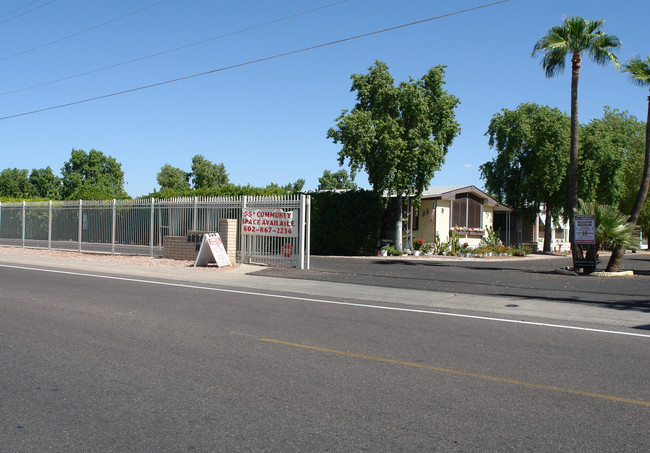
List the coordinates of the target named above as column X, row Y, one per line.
column 275, row 230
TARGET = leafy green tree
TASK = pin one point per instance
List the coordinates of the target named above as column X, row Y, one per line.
column 575, row 37
column 532, row 144
column 45, row 183
column 298, row 185
column 206, row 174
column 639, row 71
column 398, row 134
column 14, row 183
column 292, row 187
column 92, row 175
column 173, row 178
column 611, row 158
column 339, row 180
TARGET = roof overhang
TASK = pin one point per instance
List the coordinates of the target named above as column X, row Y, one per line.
column 450, row 193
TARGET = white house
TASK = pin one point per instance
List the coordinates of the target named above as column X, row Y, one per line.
column 464, row 209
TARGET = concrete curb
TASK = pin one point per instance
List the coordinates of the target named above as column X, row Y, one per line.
column 564, row 271
column 612, row 274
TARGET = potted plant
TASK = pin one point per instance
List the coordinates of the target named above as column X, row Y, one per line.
column 417, row 246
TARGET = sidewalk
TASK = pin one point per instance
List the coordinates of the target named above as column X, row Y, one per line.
column 243, row 277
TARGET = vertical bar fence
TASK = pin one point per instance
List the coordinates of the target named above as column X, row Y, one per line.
column 138, row 227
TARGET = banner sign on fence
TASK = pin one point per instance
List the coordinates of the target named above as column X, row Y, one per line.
column 212, row 251
column 585, row 229
column 270, row 222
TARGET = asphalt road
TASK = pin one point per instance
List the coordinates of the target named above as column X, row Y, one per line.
column 533, row 278
column 108, row 364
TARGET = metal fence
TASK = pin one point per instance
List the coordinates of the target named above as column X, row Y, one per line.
column 139, row 227
column 275, row 248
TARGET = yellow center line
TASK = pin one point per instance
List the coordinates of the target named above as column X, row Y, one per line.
column 462, row 373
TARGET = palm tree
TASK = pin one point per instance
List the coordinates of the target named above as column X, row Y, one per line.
column 575, row 36
column 612, row 230
column 639, row 70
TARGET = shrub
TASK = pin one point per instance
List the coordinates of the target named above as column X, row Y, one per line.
column 337, row 228
column 491, row 238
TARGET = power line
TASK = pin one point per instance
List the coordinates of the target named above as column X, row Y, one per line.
column 82, row 31
column 250, row 62
column 225, row 35
column 19, row 8
column 25, row 12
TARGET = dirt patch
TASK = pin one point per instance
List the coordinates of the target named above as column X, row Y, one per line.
column 129, row 260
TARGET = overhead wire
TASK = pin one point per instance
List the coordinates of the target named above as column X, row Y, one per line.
column 259, row 60
column 94, row 27
column 24, row 12
column 164, row 52
column 19, row 8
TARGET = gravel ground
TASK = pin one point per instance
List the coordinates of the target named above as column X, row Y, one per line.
column 131, row 260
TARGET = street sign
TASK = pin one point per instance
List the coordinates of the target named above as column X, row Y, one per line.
column 585, row 229
column 212, row 251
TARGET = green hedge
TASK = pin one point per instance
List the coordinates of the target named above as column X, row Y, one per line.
column 345, row 223
column 227, row 190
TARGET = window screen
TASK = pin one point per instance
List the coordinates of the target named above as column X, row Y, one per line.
column 466, row 212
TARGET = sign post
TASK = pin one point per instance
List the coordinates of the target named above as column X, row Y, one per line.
column 584, row 235
column 212, row 251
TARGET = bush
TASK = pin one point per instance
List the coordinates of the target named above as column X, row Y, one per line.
column 345, row 223
column 491, row 238
column 392, row 251
column 523, row 250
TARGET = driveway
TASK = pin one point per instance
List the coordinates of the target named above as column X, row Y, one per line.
column 530, row 277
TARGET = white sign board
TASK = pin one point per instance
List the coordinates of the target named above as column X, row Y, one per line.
column 212, row 251
column 585, row 229
column 270, row 222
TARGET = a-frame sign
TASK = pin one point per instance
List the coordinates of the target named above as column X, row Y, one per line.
column 212, row 251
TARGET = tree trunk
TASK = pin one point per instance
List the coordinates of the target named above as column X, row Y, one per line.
column 548, row 230
column 573, row 151
column 397, row 239
column 618, row 252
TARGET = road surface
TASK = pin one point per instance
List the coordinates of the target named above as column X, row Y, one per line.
column 116, row 363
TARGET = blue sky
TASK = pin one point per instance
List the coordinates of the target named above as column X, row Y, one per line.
column 267, row 122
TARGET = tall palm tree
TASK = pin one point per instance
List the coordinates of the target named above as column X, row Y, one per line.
column 575, row 36
column 639, row 71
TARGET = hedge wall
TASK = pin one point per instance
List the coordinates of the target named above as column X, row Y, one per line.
column 345, row 223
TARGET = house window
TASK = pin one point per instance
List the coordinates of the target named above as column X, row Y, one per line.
column 466, row 211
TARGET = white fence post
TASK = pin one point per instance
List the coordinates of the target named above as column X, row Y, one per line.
column 196, row 214
column 80, row 223
column 242, row 244
column 113, row 224
column 23, row 226
column 49, row 226
column 301, row 238
column 308, row 233
column 151, row 229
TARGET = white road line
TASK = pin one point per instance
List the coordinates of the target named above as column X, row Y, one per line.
column 330, row 302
